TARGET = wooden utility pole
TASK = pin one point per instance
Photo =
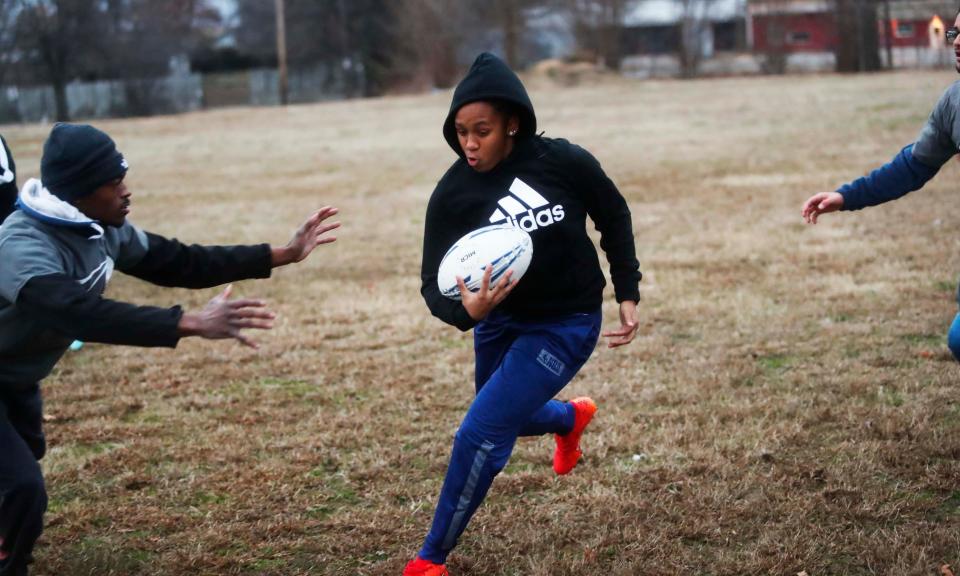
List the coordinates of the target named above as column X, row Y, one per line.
column 281, row 52
column 888, row 33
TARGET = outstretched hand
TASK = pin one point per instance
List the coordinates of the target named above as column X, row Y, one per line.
column 821, row 204
column 224, row 318
column 482, row 302
column 628, row 326
column 306, row 238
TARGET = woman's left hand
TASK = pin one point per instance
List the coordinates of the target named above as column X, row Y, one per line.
column 628, row 325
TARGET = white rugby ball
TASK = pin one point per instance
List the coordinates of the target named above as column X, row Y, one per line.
column 501, row 245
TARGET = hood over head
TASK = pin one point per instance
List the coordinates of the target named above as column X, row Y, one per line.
column 488, row 79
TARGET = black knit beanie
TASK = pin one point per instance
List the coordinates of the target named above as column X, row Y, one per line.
column 78, row 159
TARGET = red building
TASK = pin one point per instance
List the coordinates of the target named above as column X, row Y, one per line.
column 806, row 31
column 791, row 26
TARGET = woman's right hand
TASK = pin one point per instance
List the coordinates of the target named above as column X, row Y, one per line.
column 482, row 302
column 821, row 204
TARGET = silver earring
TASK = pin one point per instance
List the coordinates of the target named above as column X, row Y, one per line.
column 512, row 132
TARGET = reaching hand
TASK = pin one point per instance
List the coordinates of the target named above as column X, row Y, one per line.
column 628, row 326
column 821, row 204
column 306, row 238
column 481, row 303
column 224, row 318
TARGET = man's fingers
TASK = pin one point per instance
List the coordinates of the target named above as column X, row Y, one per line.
column 252, row 323
column 239, row 337
column 326, row 212
column 247, row 303
column 319, row 216
column 462, row 286
column 253, row 313
column 226, row 292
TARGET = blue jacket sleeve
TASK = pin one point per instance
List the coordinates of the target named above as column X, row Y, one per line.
column 903, row 174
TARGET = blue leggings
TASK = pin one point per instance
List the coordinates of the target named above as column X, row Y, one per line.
column 953, row 337
column 23, row 498
column 520, row 367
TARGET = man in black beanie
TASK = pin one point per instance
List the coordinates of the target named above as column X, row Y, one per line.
column 8, row 181
column 58, row 253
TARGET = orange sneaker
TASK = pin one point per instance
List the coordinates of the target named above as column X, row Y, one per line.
column 568, row 451
column 420, row 567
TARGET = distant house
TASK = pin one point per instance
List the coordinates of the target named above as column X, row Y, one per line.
column 656, row 26
column 791, row 26
column 916, row 33
column 805, row 32
column 655, row 33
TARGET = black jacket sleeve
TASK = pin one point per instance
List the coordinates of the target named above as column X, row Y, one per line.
column 611, row 215
column 170, row 263
column 437, row 239
column 60, row 303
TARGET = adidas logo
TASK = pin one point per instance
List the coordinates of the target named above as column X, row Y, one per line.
column 522, row 208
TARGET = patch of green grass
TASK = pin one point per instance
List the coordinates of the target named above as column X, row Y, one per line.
column 924, row 339
column 775, row 362
column 266, row 564
column 96, row 555
column 890, row 396
column 455, row 343
column 683, row 336
column 294, row 387
column 945, row 285
column 208, row 498
column 952, row 504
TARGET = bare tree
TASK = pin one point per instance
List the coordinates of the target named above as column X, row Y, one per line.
column 694, row 31
column 436, row 31
column 598, row 26
column 59, row 41
column 510, row 16
column 859, row 47
column 8, row 13
column 53, row 34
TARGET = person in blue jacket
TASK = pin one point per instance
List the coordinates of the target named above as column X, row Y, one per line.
column 909, row 169
column 531, row 337
column 59, row 250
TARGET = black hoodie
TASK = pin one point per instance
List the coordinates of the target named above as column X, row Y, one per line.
column 8, row 181
column 545, row 186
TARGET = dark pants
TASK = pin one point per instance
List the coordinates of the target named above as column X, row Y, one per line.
column 23, row 498
column 520, row 367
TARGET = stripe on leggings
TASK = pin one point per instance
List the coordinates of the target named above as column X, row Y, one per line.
column 466, row 496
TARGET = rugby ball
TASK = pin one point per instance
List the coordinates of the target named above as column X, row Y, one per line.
column 501, row 246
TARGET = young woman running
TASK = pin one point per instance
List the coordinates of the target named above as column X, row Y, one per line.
column 530, row 337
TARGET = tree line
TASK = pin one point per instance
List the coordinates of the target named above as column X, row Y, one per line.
column 388, row 43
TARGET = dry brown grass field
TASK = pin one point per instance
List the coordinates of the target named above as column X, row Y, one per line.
column 790, row 397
